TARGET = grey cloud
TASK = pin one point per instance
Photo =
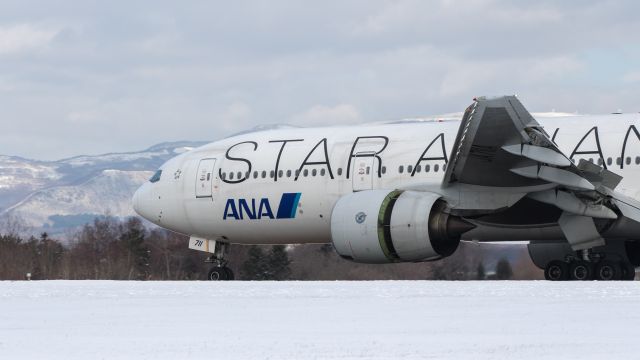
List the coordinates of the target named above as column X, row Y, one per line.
column 117, row 76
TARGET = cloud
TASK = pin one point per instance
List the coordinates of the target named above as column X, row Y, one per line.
column 320, row 115
column 83, row 116
column 24, row 37
column 236, row 117
column 120, row 76
column 631, row 77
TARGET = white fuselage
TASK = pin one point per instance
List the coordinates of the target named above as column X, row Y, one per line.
column 280, row 186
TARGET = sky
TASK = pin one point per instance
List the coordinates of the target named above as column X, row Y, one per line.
column 91, row 77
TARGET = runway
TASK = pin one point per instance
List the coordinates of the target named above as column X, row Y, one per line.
column 319, row 320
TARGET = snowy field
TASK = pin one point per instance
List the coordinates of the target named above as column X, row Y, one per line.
column 319, row 320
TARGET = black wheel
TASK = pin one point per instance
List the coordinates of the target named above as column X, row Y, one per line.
column 580, row 270
column 556, row 270
column 230, row 275
column 607, row 270
column 627, row 271
column 217, row 273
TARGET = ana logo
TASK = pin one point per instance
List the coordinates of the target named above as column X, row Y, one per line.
column 361, row 217
column 256, row 209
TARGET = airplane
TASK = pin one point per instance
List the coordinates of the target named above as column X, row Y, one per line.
column 568, row 186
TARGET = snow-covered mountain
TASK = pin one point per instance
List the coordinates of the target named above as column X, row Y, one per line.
column 60, row 207
column 56, row 196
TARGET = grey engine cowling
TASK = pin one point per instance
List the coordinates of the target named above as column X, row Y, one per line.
column 383, row 226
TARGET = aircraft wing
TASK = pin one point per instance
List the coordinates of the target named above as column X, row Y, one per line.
column 499, row 144
column 502, row 154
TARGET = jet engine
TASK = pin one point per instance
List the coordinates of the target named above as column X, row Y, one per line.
column 382, row 226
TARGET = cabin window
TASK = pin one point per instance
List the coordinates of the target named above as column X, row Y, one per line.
column 288, row 173
column 272, row 174
column 280, row 173
column 297, row 172
column 409, row 168
column 230, row 176
column 427, row 168
column 255, row 174
column 305, row 172
column 339, row 171
column 600, row 162
column 436, row 167
column 637, row 160
column 384, row 170
column 619, row 161
column 322, row 172
column 401, row 169
column 444, row 167
column 314, row 172
column 156, row 177
column 239, row 175
column 628, row 160
column 609, row 161
column 264, row 174
column 418, row 168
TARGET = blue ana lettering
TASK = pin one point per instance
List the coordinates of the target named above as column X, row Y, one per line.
column 230, row 210
column 250, row 212
column 265, row 209
column 243, row 209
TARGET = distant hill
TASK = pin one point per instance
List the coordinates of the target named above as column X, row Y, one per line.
column 57, row 196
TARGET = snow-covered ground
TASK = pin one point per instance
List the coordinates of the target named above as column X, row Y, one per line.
column 319, row 320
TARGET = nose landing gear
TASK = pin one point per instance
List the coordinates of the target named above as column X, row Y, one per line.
column 220, row 271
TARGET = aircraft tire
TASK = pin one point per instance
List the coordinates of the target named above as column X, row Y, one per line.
column 607, row 270
column 230, row 275
column 218, row 273
column 628, row 271
column 580, row 270
column 556, row 270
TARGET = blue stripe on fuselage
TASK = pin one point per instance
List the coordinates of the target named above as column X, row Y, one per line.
column 288, row 205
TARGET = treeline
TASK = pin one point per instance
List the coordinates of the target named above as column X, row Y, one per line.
column 106, row 249
column 112, row 249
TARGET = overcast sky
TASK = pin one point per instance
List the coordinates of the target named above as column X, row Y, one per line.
column 88, row 77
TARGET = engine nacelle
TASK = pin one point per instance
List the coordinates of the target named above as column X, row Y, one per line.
column 382, row 226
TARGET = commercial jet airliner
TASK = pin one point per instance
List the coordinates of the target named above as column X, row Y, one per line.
column 410, row 192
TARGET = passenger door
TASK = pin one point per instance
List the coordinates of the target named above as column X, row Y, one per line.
column 363, row 171
column 204, row 178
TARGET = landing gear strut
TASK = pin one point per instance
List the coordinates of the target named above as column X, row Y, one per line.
column 220, row 271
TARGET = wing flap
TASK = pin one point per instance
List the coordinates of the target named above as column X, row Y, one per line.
column 501, row 149
column 539, row 154
column 498, row 135
column 564, row 177
column 580, row 231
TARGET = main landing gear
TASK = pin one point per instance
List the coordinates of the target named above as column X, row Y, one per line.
column 591, row 267
column 220, row 271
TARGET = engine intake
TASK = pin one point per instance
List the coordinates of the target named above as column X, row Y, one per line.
column 382, row 226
